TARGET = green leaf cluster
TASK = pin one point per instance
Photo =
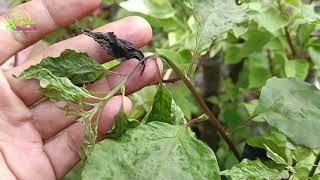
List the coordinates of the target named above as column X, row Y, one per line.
column 256, row 41
column 263, row 39
column 60, row 76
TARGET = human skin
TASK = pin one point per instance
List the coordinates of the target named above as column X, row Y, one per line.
column 39, row 142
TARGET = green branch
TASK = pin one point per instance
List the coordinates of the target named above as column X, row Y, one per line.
column 242, row 124
column 199, row 119
column 215, row 122
column 290, row 42
column 91, row 127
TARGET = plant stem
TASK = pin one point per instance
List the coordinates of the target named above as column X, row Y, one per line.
column 315, row 165
column 127, row 78
column 193, row 60
column 198, row 39
column 293, row 50
column 216, row 123
column 270, row 60
column 242, row 124
column 167, row 81
column 199, row 119
column 170, row 80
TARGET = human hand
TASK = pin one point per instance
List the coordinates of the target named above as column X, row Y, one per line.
column 40, row 142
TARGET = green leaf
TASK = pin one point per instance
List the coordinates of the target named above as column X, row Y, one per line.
column 275, row 144
column 251, row 170
column 304, row 33
column 218, row 17
column 301, row 153
column 164, row 109
column 292, row 106
column 233, row 55
column 121, row 125
column 182, row 60
column 315, row 177
column 304, row 162
column 142, row 101
column 56, row 88
column 251, row 106
column 259, row 72
column 152, row 151
column 78, row 67
column 271, row 19
column 177, row 37
column 185, row 100
column 192, row 4
column 298, row 68
column 295, row 3
column 160, row 9
column 308, row 14
column 278, row 43
column 75, row 172
column 278, row 63
column 314, row 53
column 255, row 38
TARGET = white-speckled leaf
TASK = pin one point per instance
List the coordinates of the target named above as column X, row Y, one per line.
column 293, row 107
column 253, row 170
column 218, row 17
column 155, row 150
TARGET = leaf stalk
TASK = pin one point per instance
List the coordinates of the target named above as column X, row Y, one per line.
column 289, row 40
column 199, row 119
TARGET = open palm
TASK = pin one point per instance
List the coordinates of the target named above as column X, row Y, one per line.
column 39, row 141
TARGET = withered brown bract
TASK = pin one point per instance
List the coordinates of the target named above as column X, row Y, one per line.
column 116, row 47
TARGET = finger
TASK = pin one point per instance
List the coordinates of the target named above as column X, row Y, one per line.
column 49, row 119
column 48, row 15
column 151, row 74
column 9, row 103
column 17, row 133
column 140, row 34
column 4, row 169
column 63, row 150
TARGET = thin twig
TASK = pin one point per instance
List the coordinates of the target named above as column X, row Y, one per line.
column 193, row 61
column 195, row 54
column 167, row 81
column 269, row 60
column 215, row 122
column 171, row 80
column 315, row 165
column 137, row 66
column 199, row 119
column 242, row 124
column 292, row 48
